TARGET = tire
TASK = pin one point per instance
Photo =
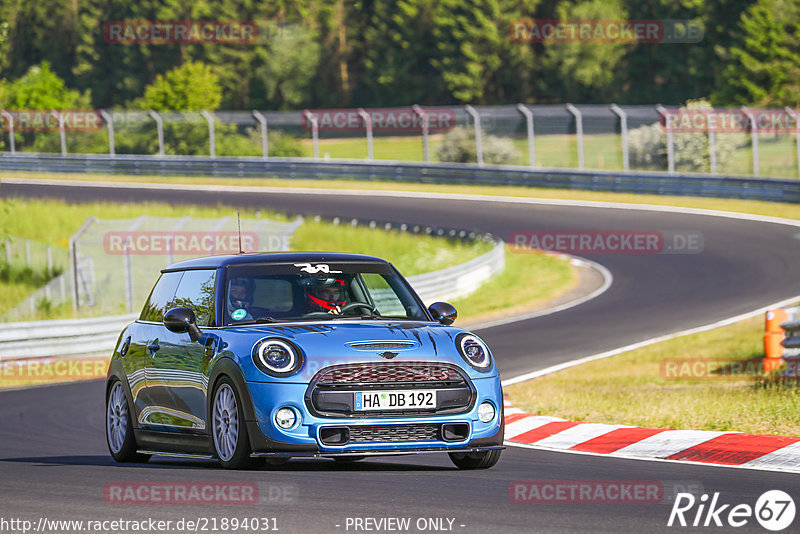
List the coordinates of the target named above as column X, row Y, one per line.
column 475, row 460
column 119, row 426
column 228, row 430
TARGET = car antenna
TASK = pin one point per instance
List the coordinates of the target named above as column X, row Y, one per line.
column 239, row 223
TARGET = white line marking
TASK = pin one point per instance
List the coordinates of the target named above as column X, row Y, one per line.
column 608, row 279
column 409, row 194
column 646, row 342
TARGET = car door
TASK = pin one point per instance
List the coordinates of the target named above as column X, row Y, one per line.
column 176, row 383
column 138, row 359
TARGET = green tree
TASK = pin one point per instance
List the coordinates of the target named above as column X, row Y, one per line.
column 192, row 86
column 587, row 71
column 41, row 88
column 288, row 67
column 764, row 65
column 468, row 46
column 399, row 48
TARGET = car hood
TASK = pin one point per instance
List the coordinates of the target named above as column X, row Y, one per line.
column 339, row 342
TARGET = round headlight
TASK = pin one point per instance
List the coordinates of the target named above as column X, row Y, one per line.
column 474, row 350
column 276, row 357
column 285, row 418
column 486, row 412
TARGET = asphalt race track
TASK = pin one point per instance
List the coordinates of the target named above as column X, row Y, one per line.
column 54, row 462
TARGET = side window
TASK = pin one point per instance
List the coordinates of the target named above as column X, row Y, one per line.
column 196, row 292
column 158, row 303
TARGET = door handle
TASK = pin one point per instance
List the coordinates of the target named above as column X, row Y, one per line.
column 153, row 346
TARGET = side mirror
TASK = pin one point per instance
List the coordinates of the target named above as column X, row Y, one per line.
column 180, row 320
column 443, row 312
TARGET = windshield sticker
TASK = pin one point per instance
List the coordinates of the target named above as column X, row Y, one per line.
column 239, row 314
column 314, row 269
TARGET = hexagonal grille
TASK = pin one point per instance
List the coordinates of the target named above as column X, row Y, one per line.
column 372, row 373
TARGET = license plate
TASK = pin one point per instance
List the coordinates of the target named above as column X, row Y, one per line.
column 395, row 400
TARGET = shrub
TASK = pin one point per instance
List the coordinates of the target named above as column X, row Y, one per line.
column 647, row 147
column 459, row 146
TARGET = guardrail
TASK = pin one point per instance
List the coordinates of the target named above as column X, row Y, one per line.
column 66, row 337
column 791, row 341
column 96, row 336
column 652, row 182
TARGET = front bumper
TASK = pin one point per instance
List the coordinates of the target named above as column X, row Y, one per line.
column 386, row 435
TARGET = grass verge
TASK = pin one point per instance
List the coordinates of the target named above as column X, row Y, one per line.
column 52, row 222
column 705, row 381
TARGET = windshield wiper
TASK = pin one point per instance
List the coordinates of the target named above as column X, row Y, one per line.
column 260, row 320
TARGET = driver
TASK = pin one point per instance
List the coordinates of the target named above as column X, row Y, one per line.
column 328, row 295
column 240, row 297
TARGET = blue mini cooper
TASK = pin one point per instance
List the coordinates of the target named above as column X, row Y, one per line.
column 258, row 358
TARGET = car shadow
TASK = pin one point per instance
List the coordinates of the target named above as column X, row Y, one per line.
column 295, row 465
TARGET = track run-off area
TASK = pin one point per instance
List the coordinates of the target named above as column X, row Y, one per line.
column 54, row 461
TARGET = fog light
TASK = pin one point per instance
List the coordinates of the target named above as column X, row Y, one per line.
column 285, row 418
column 486, row 412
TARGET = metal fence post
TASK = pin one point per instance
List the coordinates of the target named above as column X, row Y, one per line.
column 368, row 125
column 424, row 118
column 478, row 141
column 754, row 137
column 10, row 120
column 160, row 129
column 212, row 141
column 712, row 150
column 262, row 121
column 529, row 127
column 314, row 130
column 796, row 116
column 110, row 124
column 623, row 130
column 61, row 133
column 578, row 131
column 670, row 142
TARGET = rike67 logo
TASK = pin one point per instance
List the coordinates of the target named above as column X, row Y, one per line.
column 774, row 510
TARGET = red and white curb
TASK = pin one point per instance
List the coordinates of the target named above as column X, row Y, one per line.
column 778, row 453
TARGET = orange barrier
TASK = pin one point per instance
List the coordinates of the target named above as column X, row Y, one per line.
column 774, row 318
column 773, row 350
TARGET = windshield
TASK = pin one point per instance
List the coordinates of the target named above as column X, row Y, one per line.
column 299, row 292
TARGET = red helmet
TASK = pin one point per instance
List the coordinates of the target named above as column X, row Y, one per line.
column 328, row 294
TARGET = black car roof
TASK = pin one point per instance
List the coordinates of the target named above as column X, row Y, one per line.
column 213, row 262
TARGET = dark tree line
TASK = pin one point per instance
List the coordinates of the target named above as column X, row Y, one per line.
column 336, row 53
